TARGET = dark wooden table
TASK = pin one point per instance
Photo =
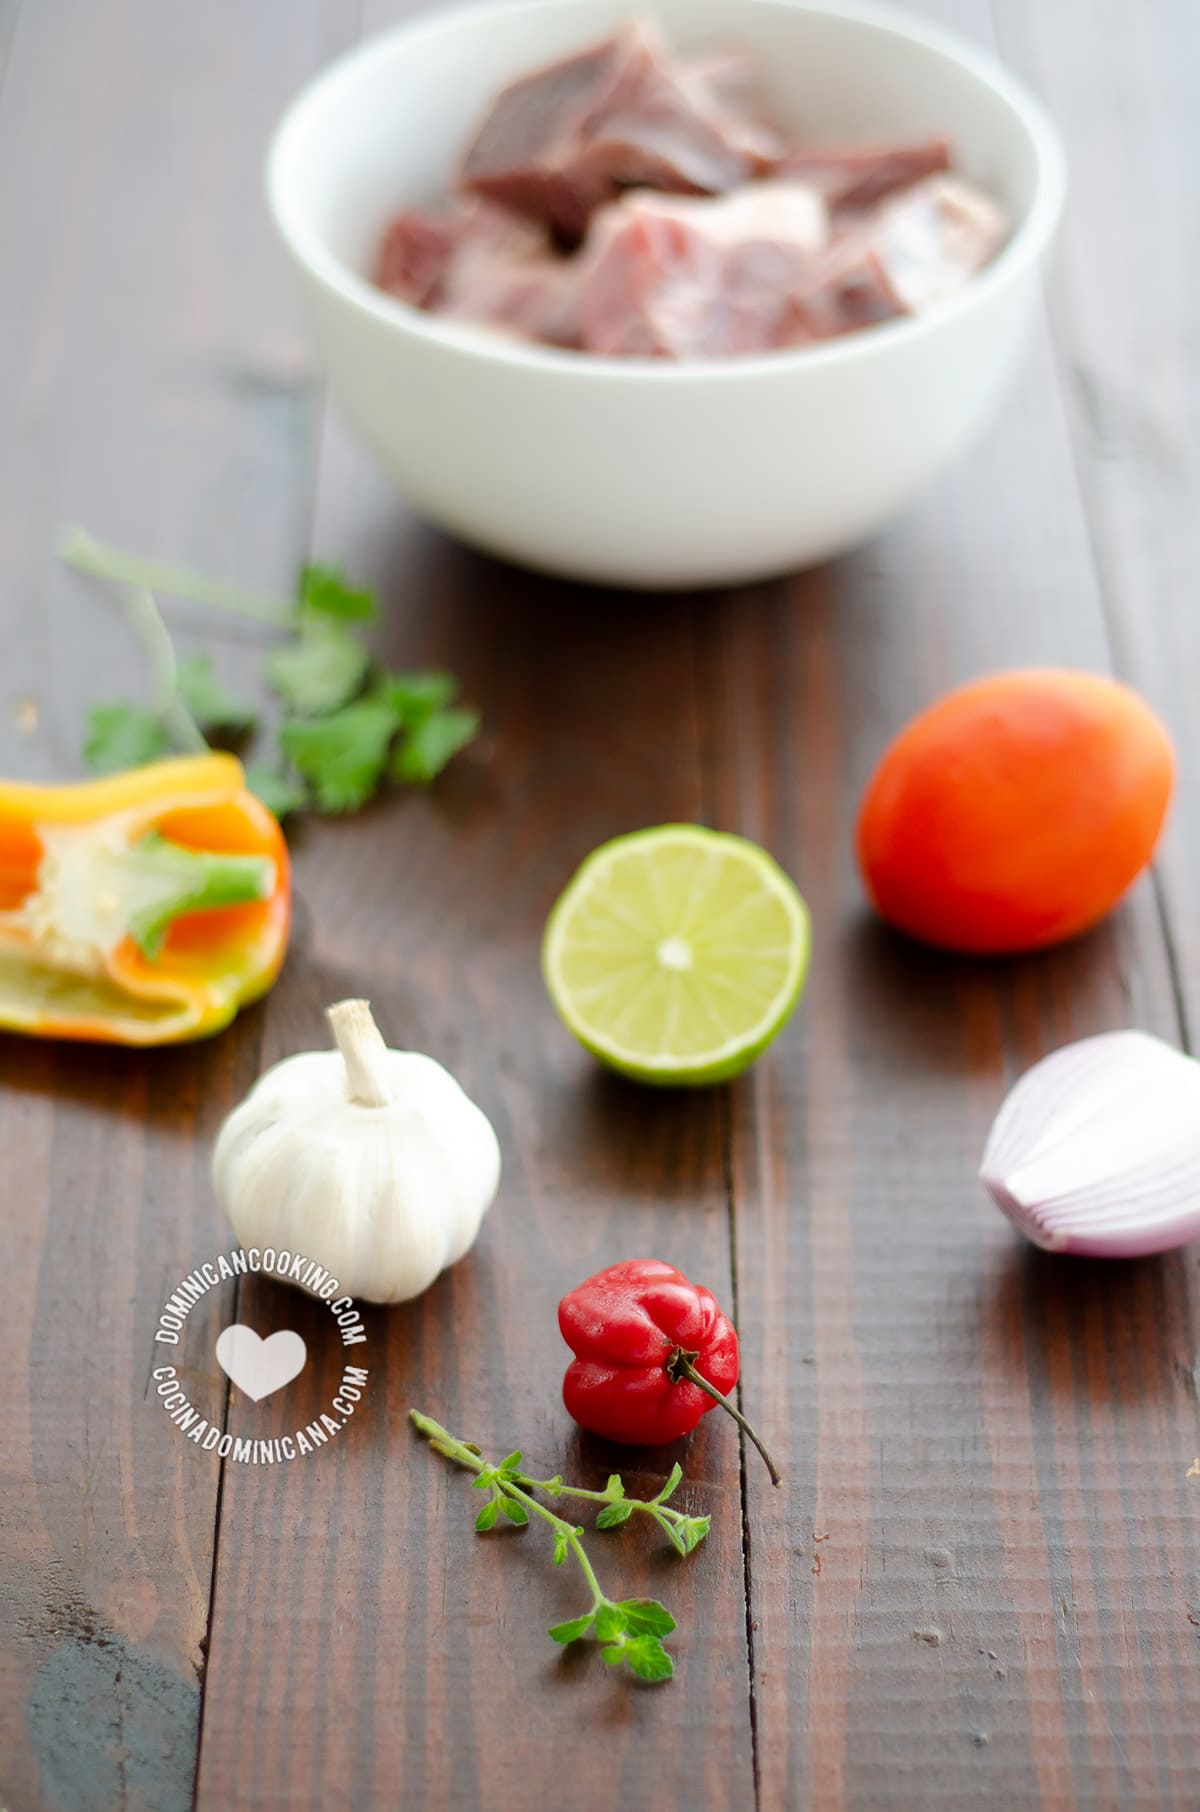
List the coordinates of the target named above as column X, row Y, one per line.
column 980, row 1585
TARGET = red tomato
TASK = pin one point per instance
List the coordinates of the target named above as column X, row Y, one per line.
column 1015, row 811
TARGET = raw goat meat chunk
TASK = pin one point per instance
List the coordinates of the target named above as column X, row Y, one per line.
column 477, row 262
column 858, row 177
column 917, row 249
column 561, row 142
column 668, row 277
column 416, row 254
column 933, row 238
column 628, row 203
column 722, row 85
column 663, row 277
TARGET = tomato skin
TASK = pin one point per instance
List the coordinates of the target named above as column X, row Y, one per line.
column 1016, row 811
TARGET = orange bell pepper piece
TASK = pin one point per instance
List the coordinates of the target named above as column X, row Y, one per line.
column 143, row 908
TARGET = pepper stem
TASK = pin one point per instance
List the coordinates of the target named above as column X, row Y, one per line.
column 162, row 880
column 363, row 1052
column 679, row 1365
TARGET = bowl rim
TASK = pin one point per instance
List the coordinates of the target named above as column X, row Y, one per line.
column 1024, row 249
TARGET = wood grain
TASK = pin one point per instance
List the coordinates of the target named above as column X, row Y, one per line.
column 411, row 1654
column 979, row 1585
column 1123, row 308
column 995, row 1603
column 994, row 1558
column 150, row 388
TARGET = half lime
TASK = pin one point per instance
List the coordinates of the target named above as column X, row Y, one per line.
column 676, row 954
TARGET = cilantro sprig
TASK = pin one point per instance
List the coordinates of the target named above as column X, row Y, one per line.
column 349, row 723
column 630, row 1631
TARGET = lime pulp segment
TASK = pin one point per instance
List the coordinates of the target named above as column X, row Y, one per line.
column 676, row 954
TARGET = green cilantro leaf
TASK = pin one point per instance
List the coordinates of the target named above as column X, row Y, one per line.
column 512, row 1463
column 612, row 1657
column 209, row 700
column 572, row 1630
column 610, row 1622
column 615, row 1486
column 279, row 794
column 487, row 1516
column 646, row 1617
column 414, row 696
column 613, row 1515
column 123, row 736
column 648, row 1659
column 515, row 1512
column 431, row 742
column 342, row 756
column 560, row 1547
column 319, row 673
column 323, row 589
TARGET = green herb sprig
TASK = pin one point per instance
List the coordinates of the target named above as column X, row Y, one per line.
column 349, row 725
column 630, row 1631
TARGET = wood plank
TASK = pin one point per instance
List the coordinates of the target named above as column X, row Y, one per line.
column 986, row 1546
column 1121, row 87
column 411, row 1655
column 981, row 1593
column 148, row 389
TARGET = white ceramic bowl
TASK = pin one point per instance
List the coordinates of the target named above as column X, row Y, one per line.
column 646, row 473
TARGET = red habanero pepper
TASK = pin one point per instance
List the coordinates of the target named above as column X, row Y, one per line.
column 653, row 1353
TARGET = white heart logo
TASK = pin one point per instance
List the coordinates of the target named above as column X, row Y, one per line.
column 260, row 1367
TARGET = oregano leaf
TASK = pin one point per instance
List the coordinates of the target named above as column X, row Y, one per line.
column 610, row 1621
column 673, row 1480
column 628, row 1629
column 613, row 1515
column 674, row 1536
column 648, row 1659
column 572, row 1630
column 646, row 1617
column 694, row 1530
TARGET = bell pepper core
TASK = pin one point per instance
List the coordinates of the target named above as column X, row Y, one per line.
column 653, row 1353
column 142, row 908
column 158, row 881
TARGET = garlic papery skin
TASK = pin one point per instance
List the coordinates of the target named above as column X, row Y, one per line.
column 1096, row 1150
column 371, row 1162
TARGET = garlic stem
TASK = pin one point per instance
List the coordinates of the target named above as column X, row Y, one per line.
column 363, row 1052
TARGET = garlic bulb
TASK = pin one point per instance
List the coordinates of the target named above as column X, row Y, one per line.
column 373, row 1163
column 1097, row 1148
